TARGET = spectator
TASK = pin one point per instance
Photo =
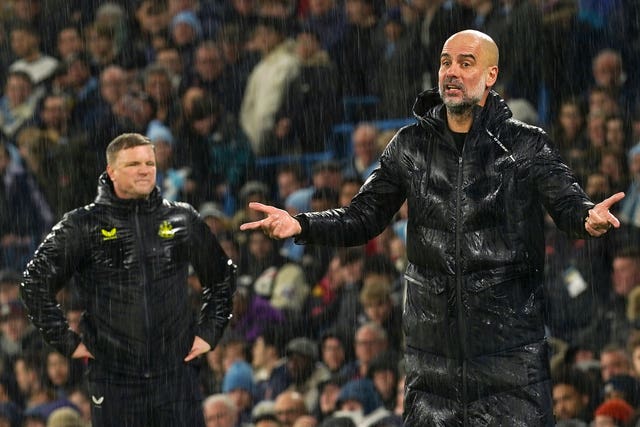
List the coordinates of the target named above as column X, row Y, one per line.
column 220, row 411
column 267, row 355
column 383, row 373
column 310, row 105
column 400, row 66
column 268, row 83
column 357, row 54
column 157, row 84
column 378, row 306
column 28, row 369
column 571, row 395
column 25, row 44
column 614, row 360
column 613, row 412
column 238, row 385
column 185, row 32
column 288, row 407
column 9, row 285
column 216, row 219
column 25, row 212
column 69, row 42
column 176, row 184
column 333, row 349
column 65, row 417
column 18, row 334
column 624, row 387
column 370, row 340
column 365, row 153
column 327, row 19
column 18, row 105
column 208, row 68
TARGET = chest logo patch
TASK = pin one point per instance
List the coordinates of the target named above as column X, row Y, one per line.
column 109, row 234
column 166, row 230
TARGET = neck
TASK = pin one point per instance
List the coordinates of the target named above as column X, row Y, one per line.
column 460, row 122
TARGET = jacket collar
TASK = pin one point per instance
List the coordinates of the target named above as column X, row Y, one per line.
column 430, row 111
column 107, row 196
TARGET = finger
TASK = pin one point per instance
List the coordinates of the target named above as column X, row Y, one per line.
column 608, row 202
column 192, row 355
column 256, row 206
column 614, row 221
column 250, row 225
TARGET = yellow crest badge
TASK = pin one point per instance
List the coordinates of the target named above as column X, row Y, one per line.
column 109, row 234
column 166, row 230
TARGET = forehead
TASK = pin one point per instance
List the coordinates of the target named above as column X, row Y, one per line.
column 140, row 152
column 462, row 45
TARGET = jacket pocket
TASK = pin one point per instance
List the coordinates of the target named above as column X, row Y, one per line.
column 485, row 280
column 425, row 298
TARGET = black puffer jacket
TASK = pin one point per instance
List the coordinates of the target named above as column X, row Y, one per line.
column 130, row 260
column 476, row 352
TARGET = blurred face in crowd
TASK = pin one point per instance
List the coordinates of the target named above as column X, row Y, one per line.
column 378, row 310
column 333, row 354
column 607, row 69
column 571, row 119
column 133, row 172
column 307, row 45
column 266, row 38
column 568, row 403
column 384, row 381
column 170, row 59
column 364, row 144
column 243, row 7
column 57, row 368
column 288, row 407
column 626, row 274
column 368, row 344
column 468, row 69
column 69, row 42
column 614, row 363
column 209, row 63
column 615, row 134
column 320, row 7
column 218, row 414
column 54, row 112
column 18, row 89
column 23, row 43
column 158, row 86
column 113, row 84
column 26, row 10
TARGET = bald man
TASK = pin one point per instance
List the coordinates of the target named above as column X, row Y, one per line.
column 477, row 183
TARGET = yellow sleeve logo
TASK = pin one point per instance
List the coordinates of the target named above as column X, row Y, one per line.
column 166, row 230
column 109, row 234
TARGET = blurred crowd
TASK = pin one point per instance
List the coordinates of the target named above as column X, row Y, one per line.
column 248, row 100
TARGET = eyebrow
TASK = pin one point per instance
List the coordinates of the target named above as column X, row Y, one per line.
column 462, row 55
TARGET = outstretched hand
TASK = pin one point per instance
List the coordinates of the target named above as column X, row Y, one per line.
column 278, row 224
column 600, row 220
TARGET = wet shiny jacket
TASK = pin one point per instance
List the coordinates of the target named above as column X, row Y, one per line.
column 130, row 262
column 475, row 347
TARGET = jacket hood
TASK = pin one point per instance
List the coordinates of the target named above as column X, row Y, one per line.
column 107, row 196
column 430, row 110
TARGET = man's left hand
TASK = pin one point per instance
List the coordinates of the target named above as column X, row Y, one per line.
column 600, row 220
column 199, row 347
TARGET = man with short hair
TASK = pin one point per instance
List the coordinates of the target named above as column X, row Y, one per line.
column 571, row 395
column 219, row 411
column 129, row 253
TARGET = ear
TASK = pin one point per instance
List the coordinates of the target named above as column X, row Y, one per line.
column 110, row 171
column 492, row 75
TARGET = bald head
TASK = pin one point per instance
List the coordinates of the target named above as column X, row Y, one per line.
column 468, row 71
column 484, row 42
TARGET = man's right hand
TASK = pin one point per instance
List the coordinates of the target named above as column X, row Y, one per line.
column 278, row 224
column 81, row 352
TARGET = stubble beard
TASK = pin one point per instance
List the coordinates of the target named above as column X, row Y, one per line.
column 470, row 98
